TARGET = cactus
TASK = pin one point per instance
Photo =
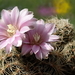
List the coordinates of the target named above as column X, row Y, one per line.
column 54, row 65
column 69, row 54
column 69, row 50
column 11, row 64
column 64, row 29
column 61, row 61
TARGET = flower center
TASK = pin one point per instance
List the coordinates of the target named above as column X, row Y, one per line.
column 11, row 30
column 36, row 37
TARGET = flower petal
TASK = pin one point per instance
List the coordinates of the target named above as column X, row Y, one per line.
column 26, row 49
column 24, row 19
column 40, row 22
column 17, row 42
column 3, row 26
column 6, row 16
column 39, row 29
column 35, row 49
column 50, row 28
column 4, row 43
column 15, row 15
column 53, row 38
column 39, row 55
column 22, row 36
column 45, row 53
column 2, row 37
column 8, row 48
column 3, row 32
column 46, row 46
column 12, row 39
column 30, row 35
column 24, row 29
column 31, row 23
column 23, row 12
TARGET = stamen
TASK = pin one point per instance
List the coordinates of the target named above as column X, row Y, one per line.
column 36, row 37
column 11, row 30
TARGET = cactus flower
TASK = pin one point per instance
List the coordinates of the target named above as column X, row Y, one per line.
column 38, row 40
column 13, row 25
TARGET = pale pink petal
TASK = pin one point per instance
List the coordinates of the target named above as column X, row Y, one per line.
column 23, row 12
column 30, row 35
column 39, row 29
column 39, row 55
column 26, row 49
column 4, row 43
column 35, row 49
column 26, row 41
column 31, row 23
column 45, row 53
column 24, row 19
column 15, row 15
column 2, row 37
column 52, row 48
column 46, row 46
column 2, row 25
column 17, row 42
column 2, row 32
column 17, row 33
column 50, row 28
column 6, row 16
column 22, row 36
column 24, row 29
column 11, row 39
column 53, row 38
column 45, row 37
column 40, row 22
column 8, row 48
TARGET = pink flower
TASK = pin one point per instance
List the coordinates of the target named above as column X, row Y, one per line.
column 38, row 40
column 13, row 25
column 46, row 11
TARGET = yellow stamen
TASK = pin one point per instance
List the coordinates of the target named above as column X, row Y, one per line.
column 11, row 30
column 36, row 37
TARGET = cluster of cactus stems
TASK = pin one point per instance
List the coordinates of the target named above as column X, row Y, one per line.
column 69, row 50
column 11, row 64
column 64, row 29
column 61, row 61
